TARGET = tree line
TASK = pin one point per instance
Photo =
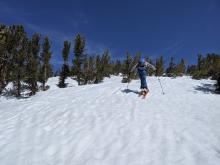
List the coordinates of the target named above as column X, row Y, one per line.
column 25, row 62
column 85, row 69
column 173, row 69
column 207, row 67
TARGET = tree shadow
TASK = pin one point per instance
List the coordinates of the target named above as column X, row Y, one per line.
column 130, row 91
column 207, row 88
column 65, row 85
column 11, row 94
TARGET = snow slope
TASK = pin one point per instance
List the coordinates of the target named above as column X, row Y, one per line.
column 106, row 124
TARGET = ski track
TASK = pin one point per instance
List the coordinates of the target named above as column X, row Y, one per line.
column 102, row 125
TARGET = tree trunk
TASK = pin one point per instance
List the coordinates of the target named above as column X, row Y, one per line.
column 2, row 76
column 78, row 79
column 45, row 77
column 18, row 85
column 33, row 87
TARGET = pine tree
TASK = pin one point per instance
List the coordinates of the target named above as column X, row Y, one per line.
column 171, row 70
column 191, row 69
column 150, row 70
column 33, row 63
column 207, row 67
column 127, row 66
column 105, row 62
column 8, row 47
column 65, row 68
column 19, row 50
column 159, row 66
column 98, row 70
column 117, row 67
column 212, row 65
column 79, row 49
column 91, row 69
column 135, row 61
column 45, row 70
column 85, row 70
column 4, row 56
column 200, row 62
column 181, row 68
column 201, row 70
column 103, row 67
column 3, row 35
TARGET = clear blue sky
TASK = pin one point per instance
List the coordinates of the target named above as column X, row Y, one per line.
column 179, row 28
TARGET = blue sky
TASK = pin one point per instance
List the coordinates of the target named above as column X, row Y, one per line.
column 179, row 28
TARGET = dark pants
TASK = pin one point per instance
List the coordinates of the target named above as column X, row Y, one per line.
column 142, row 72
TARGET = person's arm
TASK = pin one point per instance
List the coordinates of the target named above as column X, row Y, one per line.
column 133, row 68
column 147, row 64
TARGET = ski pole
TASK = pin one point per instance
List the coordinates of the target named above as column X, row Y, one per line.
column 161, row 86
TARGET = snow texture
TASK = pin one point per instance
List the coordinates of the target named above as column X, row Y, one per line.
column 108, row 124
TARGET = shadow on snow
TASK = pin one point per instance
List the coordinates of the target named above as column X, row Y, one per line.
column 207, row 88
column 130, row 91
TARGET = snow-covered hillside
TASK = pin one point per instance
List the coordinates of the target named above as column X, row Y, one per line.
column 105, row 124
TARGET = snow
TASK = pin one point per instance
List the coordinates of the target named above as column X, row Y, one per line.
column 105, row 124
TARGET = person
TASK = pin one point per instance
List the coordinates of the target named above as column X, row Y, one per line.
column 142, row 67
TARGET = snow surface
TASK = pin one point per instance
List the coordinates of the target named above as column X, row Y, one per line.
column 105, row 124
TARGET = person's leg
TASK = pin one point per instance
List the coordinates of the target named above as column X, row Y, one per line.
column 143, row 80
column 141, row 76
column 144, row 83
